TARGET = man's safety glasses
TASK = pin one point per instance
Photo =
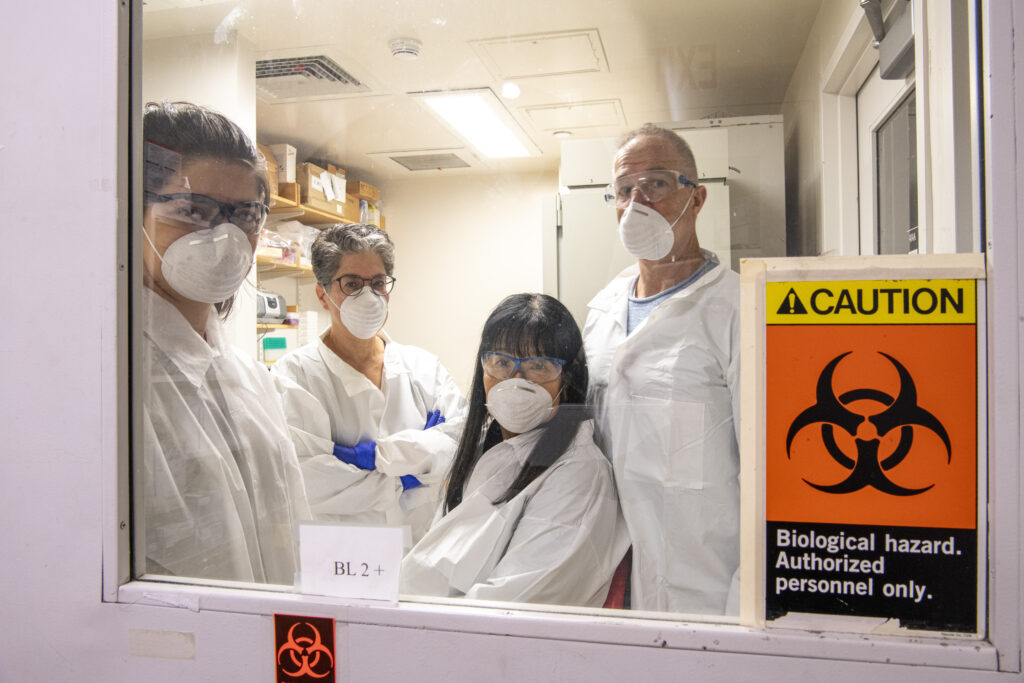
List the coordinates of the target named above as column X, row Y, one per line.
column 352, row 285
column 537, row 369
column 205, row 212
column 654, row 185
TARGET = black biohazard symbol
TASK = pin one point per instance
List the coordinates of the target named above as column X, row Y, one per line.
column 307, row 653
column 791, row 304
column 901, row 412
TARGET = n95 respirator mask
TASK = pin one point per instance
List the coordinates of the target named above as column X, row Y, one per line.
column 206, row 265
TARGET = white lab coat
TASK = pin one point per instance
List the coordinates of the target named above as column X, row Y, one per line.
column 665, row 398
column 557, row 542
column 338, row 404
column 220, row 486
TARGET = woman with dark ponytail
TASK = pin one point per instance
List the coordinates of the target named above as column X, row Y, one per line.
column 529, row 512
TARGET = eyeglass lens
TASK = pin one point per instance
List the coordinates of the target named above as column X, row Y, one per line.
column 540, row 370
column 351, row 285
column 653, row 185
column 203, row 211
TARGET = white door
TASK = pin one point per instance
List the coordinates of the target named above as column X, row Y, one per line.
column 887, row 166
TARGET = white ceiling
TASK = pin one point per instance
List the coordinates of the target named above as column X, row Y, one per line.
column 618, row 65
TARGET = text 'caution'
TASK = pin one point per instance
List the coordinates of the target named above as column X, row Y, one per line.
column 871, row 302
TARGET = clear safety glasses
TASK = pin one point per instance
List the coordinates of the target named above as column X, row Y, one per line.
column 352, row 285
column 539, row 369
column 654, row 185
column 205, row 212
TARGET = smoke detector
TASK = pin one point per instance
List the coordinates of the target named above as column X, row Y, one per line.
column 405, row 48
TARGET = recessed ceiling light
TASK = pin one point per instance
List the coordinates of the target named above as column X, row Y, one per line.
column 478, row 116
column 509, row 90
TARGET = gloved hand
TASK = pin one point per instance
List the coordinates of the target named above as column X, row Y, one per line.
column 433, row 419
column 362, row 455
column 409, row 481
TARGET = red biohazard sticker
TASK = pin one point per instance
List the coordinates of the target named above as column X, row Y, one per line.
column 304, row 649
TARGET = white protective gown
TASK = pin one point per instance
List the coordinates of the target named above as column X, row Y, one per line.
column 666, row 396
column 338, row 404
column 221, row 485
column 557, row 542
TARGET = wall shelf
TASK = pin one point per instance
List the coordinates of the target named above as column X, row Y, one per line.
column 287, row 208
column 270, row 268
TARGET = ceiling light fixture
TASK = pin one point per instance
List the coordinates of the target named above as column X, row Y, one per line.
column 480, row 118
column 562, row 133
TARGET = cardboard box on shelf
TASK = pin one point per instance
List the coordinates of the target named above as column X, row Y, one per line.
column 307, row 175
column 351, row 211
column 335, row 208
column 363, row 190
column 271, row 160
column 289, row 191
column 285, row 155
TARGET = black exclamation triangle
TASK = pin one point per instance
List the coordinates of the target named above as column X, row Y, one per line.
column 792, row 304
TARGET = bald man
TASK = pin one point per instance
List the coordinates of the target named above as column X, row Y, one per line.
column 662, row 340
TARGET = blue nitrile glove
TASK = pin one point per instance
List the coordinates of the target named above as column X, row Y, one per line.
column 363, row 455
column 410, row 482
column 433, row 419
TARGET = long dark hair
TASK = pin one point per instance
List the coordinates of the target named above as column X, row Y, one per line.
column 524, row 325
column 196, row 132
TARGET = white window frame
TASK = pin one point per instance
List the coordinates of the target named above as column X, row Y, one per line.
column 1000, row 652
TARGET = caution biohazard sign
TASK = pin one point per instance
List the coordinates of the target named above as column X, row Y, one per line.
column 871, row 477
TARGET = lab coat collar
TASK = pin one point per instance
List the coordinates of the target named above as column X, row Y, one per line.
column 614, row 298
column 354, row 381
column 171, row 333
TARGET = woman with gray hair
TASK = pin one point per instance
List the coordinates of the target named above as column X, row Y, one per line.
column 390, row 413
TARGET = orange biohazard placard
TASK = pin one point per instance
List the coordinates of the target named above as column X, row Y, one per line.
column 871, row 451
column 872, row 424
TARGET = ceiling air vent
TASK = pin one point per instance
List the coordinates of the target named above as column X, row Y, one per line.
column 430, row 162
column 295, row 78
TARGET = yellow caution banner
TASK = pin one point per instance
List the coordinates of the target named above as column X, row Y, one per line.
column 872, row 302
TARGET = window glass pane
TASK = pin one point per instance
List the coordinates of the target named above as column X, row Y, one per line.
column 400, row 269
column 897, row 180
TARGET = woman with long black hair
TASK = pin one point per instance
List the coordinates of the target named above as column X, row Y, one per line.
column 529, row 512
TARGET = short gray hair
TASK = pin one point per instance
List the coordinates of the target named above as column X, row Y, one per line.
column 356, row 238
column 649, row 130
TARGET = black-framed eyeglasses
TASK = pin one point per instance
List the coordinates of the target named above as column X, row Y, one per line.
column 539, row 369
column 205, row 212
column 654, row 185
column 352, row 285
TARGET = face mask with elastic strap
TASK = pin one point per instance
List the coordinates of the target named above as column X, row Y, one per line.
column 645, row 233
column 362, row 314
column 206, row 265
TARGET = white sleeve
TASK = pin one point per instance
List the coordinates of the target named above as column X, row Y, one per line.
column 732, row 374
column 566, row 544
column 427, row 453
column 333, row 487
